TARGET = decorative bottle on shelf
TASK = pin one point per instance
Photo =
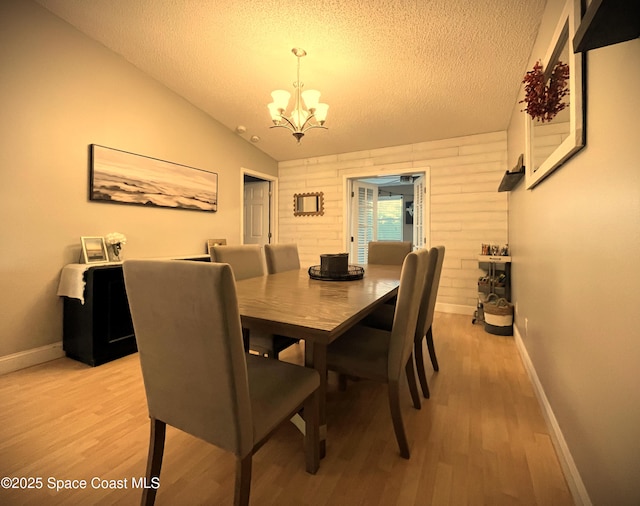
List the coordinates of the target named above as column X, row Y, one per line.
column 115, row 240
column 116, row 251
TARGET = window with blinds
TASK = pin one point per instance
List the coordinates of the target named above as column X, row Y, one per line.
column 390, row 218
column 367, row 207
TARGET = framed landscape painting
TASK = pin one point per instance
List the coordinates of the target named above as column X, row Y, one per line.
column 126, row 178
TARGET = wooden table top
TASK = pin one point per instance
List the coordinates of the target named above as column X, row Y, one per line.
column 292, row 304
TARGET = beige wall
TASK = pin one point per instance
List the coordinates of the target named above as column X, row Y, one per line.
column 576, row 268
column 466, row 209
column 59, row 93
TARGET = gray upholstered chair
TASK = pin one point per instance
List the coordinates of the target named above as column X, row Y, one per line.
column 281, row 257
column 382, row 318
column 196, row 374
column 384, row 356
column 388, row 252
column 433, row 295
column 246, row 260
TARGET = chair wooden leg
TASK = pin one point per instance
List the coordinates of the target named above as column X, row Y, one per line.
column 312, row 432
column 243, row 481
column 342, row 382
column 396, row 417
column 422, row 374
column 432, row 350
column 154, row 460
column 411, row 381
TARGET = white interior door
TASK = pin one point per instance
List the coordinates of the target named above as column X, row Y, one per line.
column 364, row 203
column 256, row 212
column 419, row 214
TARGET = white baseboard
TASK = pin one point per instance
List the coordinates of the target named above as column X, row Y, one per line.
column 444, row 307
column 28, row 358
column 574, row 481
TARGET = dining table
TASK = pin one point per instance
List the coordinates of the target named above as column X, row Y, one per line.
column 295, row 304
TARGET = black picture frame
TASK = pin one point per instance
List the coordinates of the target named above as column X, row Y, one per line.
column 120, row 177
column 408, row 212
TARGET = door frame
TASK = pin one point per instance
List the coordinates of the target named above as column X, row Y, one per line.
column 354, row 229
column 372, row 172
column 273, row 201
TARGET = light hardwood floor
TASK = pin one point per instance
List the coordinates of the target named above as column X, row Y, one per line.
column 480, row 439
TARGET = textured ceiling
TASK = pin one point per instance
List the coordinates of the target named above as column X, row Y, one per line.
column 392, row 71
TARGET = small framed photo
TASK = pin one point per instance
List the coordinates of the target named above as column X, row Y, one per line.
column 215, row 242
column 94, row 250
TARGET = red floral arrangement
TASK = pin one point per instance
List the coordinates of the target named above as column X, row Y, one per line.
column 544, row 100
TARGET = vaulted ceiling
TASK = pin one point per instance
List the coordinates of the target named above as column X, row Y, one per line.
column 392, row 71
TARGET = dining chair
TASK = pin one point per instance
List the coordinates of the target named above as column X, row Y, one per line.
column 247, row 261
column 388, row 252
column 433, row 295
column 381, row 355
column 382, row 317
column 281, row 257
column 197, row 376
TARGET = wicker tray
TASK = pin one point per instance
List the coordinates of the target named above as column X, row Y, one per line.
column 354, row 272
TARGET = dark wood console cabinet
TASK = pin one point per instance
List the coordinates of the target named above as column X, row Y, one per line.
column 100, row 330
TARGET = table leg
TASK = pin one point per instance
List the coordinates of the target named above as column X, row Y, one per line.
column 315, row 355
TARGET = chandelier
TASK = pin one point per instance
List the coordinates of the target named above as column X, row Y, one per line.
column 301, row 119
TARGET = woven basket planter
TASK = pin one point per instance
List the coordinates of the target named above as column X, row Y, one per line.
column 498, row 316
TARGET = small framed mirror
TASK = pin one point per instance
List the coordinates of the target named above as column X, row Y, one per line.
column 308, row 204
column 553, row 140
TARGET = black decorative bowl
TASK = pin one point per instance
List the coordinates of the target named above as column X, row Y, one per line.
column 352, row 273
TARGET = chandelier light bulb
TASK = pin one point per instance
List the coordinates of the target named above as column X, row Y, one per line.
column 311, row 99
column 321, row 113
column 281, row 98
column 276, row 113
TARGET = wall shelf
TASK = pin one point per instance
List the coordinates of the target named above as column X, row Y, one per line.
column 513, row 177
column 510, row 180
column 607, row 22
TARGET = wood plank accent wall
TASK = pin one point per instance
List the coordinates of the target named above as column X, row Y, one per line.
column 466, row 208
